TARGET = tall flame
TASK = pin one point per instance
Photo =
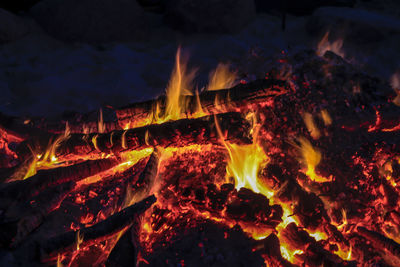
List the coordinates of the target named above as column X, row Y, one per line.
column 180, row 84
column 222, row 77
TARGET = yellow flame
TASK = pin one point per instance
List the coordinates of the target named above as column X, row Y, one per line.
column 47, row 159
column 325, row 117
column 180, row 84
column 79, row 239
column 344, row 254
column 325, row 45
column 288, row 253
column 311, row 127
column 101, row 128
column 245, row 161
column 311, row 157
column 221, row 78
column 59, row 259
column 318, row 235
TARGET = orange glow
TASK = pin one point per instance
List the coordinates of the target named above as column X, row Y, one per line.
column 311, row 158
column 221, row 78
column 325, row 45
column 311, row 127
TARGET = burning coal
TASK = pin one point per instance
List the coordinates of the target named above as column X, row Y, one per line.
column 296, row 169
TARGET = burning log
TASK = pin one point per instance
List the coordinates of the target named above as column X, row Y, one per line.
column 65, row 242
column 270, row 248
column 380, row 242
column 175, row 133
column 28, row 188
column 213, row 102
column 20, row 219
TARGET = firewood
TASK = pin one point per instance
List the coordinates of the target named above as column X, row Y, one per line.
column 230, row 99
column 21, row 219
column 380, row 242
column 146, row 180
column 30, row 187
column 175, row 133
column 67, row 241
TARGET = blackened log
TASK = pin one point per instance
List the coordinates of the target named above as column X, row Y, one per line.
column 21, row 219
column 228, row 100
column 178, row 133
column 380, row 242
column 30, row 187
column 67, row 241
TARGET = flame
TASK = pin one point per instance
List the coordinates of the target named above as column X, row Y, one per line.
column 245, row 162
column 311, row 157
column 180, row 84
column 325, row 45
column 311, row 127
column 47, row 159
column 325, row 117
column 395, row 83
column 59, row 259
column 79, row 239
column 100, row 124
column 221, row 78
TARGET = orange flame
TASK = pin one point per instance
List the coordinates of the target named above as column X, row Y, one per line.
column 325, row 45
column 311, row 158
column 221, row 78
column 311, row 127
column 47, row 159
column 245, row 162
column 395, row 82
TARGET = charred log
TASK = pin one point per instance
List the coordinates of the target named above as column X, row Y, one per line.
column 25, row 189
column 213, row 102
column 380, row 242
column 175, row 133
column 100, row 231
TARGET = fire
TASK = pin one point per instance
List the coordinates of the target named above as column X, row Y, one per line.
column 47, row 159
column 79, row 239
column 325, row 45
column 221, row 78
column 395, row 82
column 245, row 162
column 100, row 124
column 326, row 117
column 180, row 84
column 311, row 158
column 311, row 127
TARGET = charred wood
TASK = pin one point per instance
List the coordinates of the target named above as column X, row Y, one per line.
column 230, row 99
column 100, row 231
column 175, row 133
column 25, row 189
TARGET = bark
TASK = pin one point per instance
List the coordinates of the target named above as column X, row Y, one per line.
column 231, row 99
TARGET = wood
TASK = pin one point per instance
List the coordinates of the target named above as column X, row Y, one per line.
column 229, row 100
column 26, row 189
column 21, row 219
column 179, row 133
column 67, row 241
column 380, row 242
